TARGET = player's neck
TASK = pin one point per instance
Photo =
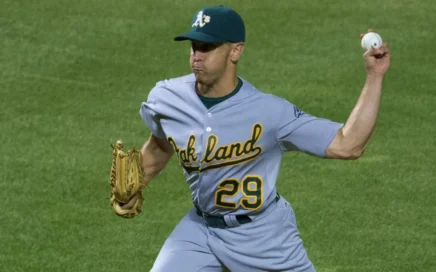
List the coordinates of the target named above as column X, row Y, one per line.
column 222, row 87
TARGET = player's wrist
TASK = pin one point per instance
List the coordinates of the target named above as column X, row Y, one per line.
column 374, row 78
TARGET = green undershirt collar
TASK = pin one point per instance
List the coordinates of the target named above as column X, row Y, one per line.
column 212, row 101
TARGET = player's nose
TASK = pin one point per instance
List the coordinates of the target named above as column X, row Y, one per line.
column 196, row 55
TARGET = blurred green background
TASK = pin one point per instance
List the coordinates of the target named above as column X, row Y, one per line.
column 74, row 73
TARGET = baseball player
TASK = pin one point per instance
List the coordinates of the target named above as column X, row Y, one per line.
column 229, row 138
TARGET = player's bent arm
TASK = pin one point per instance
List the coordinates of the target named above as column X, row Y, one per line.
column 156, row 153
column 351, row 140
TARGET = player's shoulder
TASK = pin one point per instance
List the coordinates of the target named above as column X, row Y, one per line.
column 273, row 104
column 250, row 92
column 173, row 85
column 280, row 102
column 266, row 97
column 188, row 79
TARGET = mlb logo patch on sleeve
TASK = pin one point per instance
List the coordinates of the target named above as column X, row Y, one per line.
column 298, row 112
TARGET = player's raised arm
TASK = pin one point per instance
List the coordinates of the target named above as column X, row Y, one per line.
column 351, row 140
column 299, row 131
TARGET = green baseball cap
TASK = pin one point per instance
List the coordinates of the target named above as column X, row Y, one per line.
column 217, row 24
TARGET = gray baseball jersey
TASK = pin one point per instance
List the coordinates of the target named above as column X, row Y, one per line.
column 231, row 152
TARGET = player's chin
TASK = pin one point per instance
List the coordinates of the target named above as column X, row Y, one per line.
column 200, row 76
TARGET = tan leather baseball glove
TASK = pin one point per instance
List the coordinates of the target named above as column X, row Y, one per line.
column 126, row 179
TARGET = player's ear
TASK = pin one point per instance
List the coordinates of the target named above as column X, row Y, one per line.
column 236, row 51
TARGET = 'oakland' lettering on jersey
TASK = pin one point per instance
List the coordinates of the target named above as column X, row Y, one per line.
column 231, row 154
column 186, row 156
column 217, row 156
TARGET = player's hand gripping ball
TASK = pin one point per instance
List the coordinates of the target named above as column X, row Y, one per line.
column 371, row 40
column 376, row 56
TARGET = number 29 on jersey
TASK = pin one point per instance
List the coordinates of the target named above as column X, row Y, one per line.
column 251, row 187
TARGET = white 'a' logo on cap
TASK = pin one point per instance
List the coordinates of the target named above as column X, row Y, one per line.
column 202, row 20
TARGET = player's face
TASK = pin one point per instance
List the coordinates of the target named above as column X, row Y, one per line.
column 209, row 61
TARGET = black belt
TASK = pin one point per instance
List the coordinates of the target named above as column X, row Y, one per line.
column 216, row 221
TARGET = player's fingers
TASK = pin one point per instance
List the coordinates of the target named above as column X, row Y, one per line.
column 129, row 204
column 383, row 49
column 386, row 50
column 363, row 34
column 377, row 52
column 374, row 52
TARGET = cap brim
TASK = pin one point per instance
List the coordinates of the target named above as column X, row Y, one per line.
column 199, row 36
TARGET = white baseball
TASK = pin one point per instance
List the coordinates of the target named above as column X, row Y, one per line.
column 371, row 39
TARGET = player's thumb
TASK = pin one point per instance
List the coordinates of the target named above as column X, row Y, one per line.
column 376, row 52
column 369, row 52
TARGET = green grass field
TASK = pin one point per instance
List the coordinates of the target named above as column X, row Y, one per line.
column 73, row 75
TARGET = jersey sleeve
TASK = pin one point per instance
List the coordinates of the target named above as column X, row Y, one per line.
column 149, row 112
column 300, row 131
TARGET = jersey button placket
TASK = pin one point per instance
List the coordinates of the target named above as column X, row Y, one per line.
column 208, row 127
